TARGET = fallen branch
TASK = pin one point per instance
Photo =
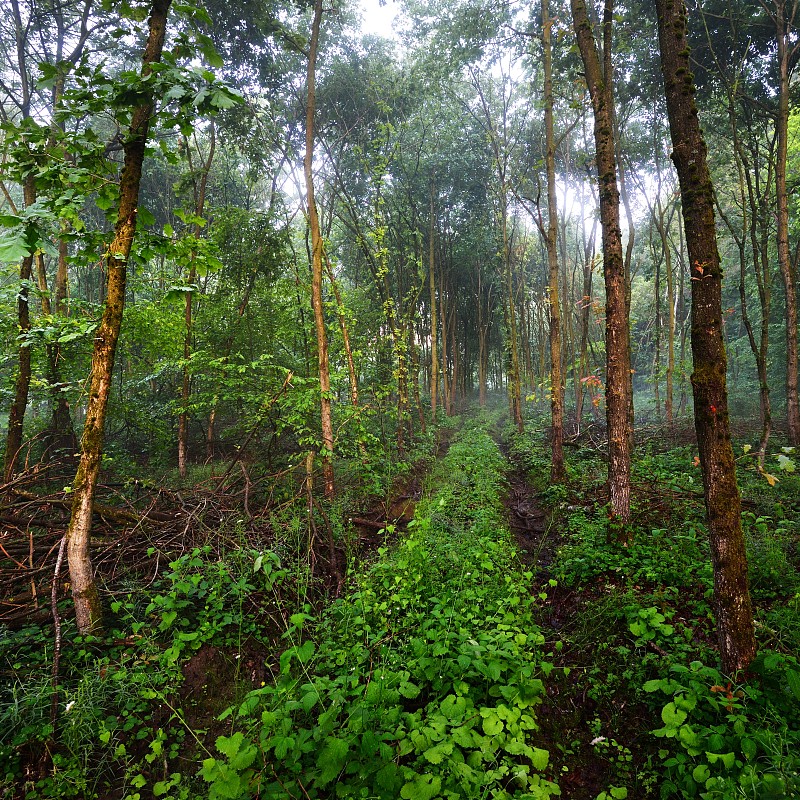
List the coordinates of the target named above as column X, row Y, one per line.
column 109, row 513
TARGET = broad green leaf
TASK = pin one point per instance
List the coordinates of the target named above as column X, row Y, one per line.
column 673, row 717
column 331, row 760
column 14, row 248
column 492, row 724
column 793, row 679
column 423, row 787
column 540, row 758
column 749, row 749
column 438, row 753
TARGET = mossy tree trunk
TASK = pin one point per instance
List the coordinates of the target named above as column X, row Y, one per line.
column 731, row 593
column 84, row 588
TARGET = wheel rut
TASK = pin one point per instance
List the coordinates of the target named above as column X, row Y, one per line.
column 567, row 710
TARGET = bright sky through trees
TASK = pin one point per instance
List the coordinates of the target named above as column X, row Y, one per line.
column 378, row 18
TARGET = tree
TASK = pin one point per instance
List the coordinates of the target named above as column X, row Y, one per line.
column 88, row 610
column 317, row 258
column 599, row 79
column 55, row 40
column 199, row 196
column 723, row 505
column 558, row 472
column 783, row 16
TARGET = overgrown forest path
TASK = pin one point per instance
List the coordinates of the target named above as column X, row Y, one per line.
column 569, row 719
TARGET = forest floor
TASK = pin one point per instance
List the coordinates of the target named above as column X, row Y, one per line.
column 475, row 633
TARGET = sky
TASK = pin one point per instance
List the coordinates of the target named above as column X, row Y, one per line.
column 378, row 19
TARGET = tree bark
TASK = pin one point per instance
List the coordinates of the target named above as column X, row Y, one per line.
column 782, row 197
column 723, row 506
column 434, row 321
column 557, row 469
column 84, row 588
column 316, row 261
column 618, row 361
column 16, row 414
column 199, row 208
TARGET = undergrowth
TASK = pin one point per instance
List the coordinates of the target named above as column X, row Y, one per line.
column 422, row 682
column 641, row 634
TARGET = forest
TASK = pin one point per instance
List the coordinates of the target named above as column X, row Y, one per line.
column 399, row 416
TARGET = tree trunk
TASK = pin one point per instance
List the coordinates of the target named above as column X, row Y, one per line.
column 445, row 371
column 782, row 197
column 514, row 379
column 348, row 350
column 731, row 594
column 618, row 363
column 434, row 321
column 199, row 208
column 557, row 470
column 316, row 261
column 16, row 414
column 84, row 588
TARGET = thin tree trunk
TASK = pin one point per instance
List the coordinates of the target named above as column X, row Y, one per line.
column 731, row 593
column 515, row 388
column 557, row 469
column 199, row 208
column 348, row 350
column 445, row 370
column 782, row 197
column 316, row 261
column 434, row 321
column 84, row 588
column 618, row 363
column 16, row 414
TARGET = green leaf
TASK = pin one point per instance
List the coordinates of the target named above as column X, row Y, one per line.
column 540, row 758
column 331, row 760
column 453, row 707
column 727, row 759
column 492, row 724
column 240, row 752
column 437, row 753
column 701, row 773
column 14, row 248
column 423, row 787
column 673, row 717
column 793, row 679
column 408, row 689
column 222, row 99
column 749, row 749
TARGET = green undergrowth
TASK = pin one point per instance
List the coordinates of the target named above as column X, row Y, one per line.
column 125, row 718
column 422, row 682
column 641, row 635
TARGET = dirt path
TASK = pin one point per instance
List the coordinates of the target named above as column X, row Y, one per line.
column 566, row 715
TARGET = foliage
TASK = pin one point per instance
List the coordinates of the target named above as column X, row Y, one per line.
column 728, row 740
column 422, row 683
column 120, row 714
